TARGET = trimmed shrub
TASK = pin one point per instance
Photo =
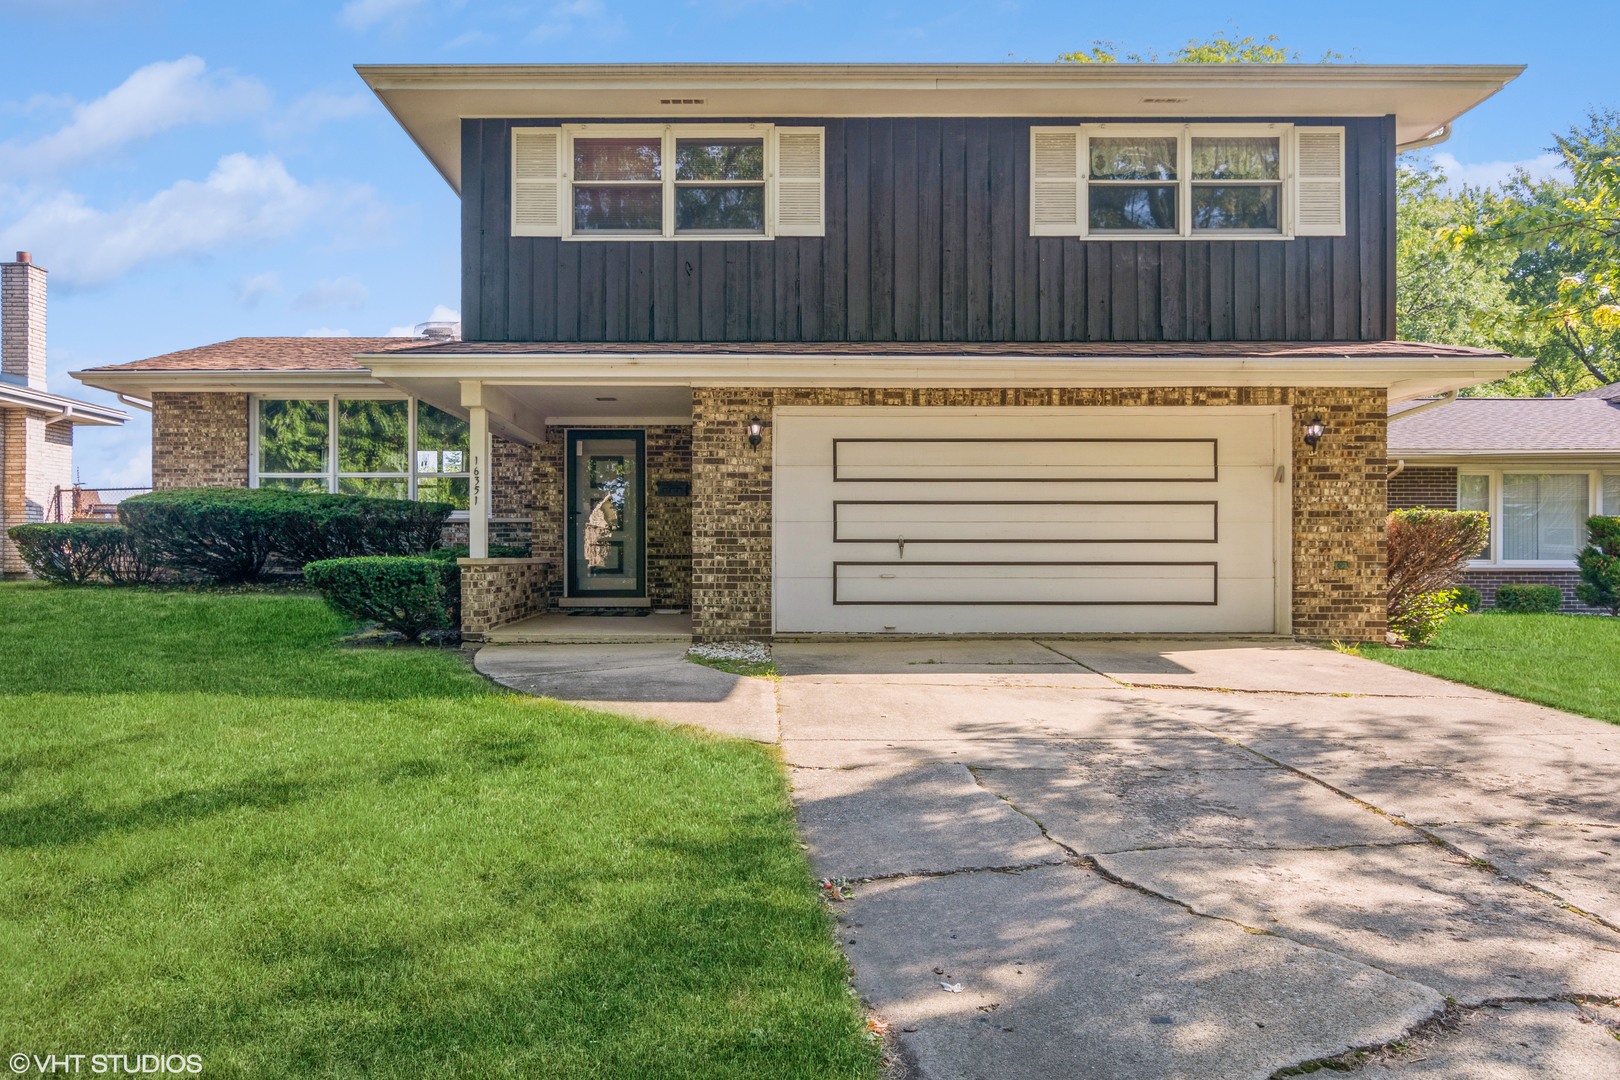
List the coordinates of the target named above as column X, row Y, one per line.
column 496, row 551
column 1428, row 552
column 229, row 534
column 1600, row 565
column 1523, row 599
column 68, row 553
column 1467, row 597
column 409, row 594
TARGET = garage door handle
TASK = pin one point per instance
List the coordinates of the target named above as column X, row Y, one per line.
column 902, row 542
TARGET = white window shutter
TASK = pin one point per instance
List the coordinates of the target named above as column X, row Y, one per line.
column 537, row 182
column 1056, row 179
column 801, row 181
column 1319, row 181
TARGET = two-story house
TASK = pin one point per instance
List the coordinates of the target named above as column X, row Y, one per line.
column 886, row 349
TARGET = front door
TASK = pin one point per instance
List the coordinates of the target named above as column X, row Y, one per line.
column 606, row 520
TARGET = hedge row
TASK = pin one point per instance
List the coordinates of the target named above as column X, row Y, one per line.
column 77, row 553
column 230, row 534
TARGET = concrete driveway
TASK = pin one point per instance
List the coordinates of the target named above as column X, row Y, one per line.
column 1201, row 859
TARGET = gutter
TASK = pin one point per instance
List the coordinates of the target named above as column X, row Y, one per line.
column 1444, row 399
column 1433, row 138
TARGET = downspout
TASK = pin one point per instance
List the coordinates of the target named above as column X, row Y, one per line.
column 1444, row 399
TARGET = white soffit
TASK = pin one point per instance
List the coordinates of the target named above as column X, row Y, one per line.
column 430, row 100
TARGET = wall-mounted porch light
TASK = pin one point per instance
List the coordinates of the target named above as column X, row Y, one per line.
column 1314, row 432
column 756, row 431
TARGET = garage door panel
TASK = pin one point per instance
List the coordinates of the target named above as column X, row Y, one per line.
column 915, row 583
column 1024, row 521
column 1024, row 460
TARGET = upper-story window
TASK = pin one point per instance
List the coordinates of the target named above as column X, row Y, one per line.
column 625, row 181
column 1166, row 181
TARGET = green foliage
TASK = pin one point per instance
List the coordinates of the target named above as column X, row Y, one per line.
column 1445, row 293
column 230, row 534
column 496, row 551
column 1529, row 599
column 1563, row 237
column 68, row 553
column 409, row 595
column 1600, row 565
column 1222, row 47
column 1428, row 552
column 1422, row 617
column 1468, row 597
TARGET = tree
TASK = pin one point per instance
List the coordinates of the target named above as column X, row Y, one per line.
column 1219, row 48
column 1446, row 293
column 1565, row 274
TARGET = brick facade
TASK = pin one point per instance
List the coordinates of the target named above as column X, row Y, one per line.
column 1339, row 494
column 495, row 592
column 36, row 458
column 1424, row 485
column 199, row 440
column 1487, row 581
column 669, row 517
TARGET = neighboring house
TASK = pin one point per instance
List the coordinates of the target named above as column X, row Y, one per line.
column 36, row 426
column 1539, row 466
column 890, row 348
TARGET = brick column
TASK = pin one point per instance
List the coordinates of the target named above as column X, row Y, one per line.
column 731, row 516
column 22, row 322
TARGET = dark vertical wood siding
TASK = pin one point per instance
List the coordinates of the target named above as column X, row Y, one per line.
column 928, row 240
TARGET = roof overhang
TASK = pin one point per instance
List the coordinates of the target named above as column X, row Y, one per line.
column 431, row 100
column 1403, row 377
column 1502, row 454
column 61, row 409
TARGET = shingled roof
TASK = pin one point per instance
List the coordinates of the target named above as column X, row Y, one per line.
column 271, row 354
column 1510, row 425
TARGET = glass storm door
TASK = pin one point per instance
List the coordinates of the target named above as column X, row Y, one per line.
column 606, row 523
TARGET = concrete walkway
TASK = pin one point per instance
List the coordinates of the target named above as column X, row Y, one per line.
column 1189, row 859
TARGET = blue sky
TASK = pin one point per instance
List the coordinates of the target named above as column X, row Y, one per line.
column 192, row 170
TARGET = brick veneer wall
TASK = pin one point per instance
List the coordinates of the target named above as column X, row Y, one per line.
column 36, row 458
column 1429, row 485
column 1487, row 582
column 669, row 517
column 495, row 592
column 1339, row 494
column 199, row 440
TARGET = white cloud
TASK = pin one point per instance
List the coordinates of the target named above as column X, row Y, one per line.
column 338, row 292
column 440, row 314
column 156, row 98
column 319, row 107
column 364, row 14
column 1491, row 174
column 251, row 290
column 244, row 199
column 327, row 331
column 569, row 16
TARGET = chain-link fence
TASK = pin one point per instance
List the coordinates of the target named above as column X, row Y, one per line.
column 82, row 503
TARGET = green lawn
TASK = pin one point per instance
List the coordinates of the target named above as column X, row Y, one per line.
column 221, row 833
column 1570, row 662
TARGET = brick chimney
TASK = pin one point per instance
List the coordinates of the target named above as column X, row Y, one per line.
column 22, row 322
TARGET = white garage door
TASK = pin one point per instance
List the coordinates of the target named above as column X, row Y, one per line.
column 1026, row 520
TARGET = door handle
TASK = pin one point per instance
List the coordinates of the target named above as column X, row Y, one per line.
column 901, row 541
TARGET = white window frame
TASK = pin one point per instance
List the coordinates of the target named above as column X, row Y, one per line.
column 1184, row 135
column 669, row 133
column 332, row 476
column 1494, row 474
